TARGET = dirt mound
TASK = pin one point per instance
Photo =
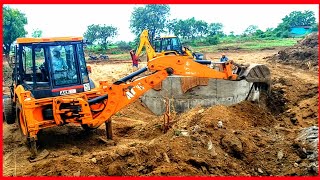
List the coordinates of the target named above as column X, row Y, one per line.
column 235, row 140
column 304, row 54
column 310, row 41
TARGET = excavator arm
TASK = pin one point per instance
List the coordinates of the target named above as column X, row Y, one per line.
column 144, row 42
column 119, row 94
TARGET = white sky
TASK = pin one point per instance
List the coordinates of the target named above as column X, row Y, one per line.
column 72, row 20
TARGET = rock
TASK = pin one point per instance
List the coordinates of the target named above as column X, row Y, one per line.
column 195, row 128
column 232, row 145
column 313, row 167
column 166, row 157
column 181, row 132
column 75, row 151
column 200, row 111
column 76, row 173
column 220, row 125
column 204, row 169
column 210, row 145
column 294, row 120
column 94, row 160
column 304, row 150
column 295, row 165
column 213, row 153
column 260, row 171
column 280, row 155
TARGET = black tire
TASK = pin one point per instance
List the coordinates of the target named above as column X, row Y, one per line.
column 9, row 113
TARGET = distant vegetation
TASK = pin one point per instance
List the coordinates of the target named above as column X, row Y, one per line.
column 197, row 33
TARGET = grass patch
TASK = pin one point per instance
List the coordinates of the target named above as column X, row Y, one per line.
column 120, row 56
column 248, row 45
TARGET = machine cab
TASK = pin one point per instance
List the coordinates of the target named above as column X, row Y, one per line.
column 167, row 44
column 51, row 67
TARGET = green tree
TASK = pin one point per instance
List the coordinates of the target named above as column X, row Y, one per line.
column 294, row 19
column 231, row 34
column 123, row 45
column 13, row 27
column 215, row 29
column 152, row 17
column 189, row 28
column 269, row 32
column 259, row 33
column 315, row 27
column 250, row 30
column 179, row 28
column 201, row 28
column 299, row 18
column 36, row 33
column 100, row 34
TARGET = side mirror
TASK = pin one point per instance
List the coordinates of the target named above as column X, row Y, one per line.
column 89, row 69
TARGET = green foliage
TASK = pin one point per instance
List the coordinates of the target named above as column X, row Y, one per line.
column 36, row 33
column 315, row 27
column 294, row 19
column 205, row 41
column 96, row 49
column 152, row 17
column 201, row 28
column 250, row 30
column 215, row 29
column 13, row 27
column 189, row 28
column 124, row 46
column 100, row 34
column 299, row 18
column 213, row 40
column 246, row 43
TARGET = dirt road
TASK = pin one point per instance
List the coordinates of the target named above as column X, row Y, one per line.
column 254, row 140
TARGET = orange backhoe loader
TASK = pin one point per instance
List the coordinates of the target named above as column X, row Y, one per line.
column 51, row 86
column 167, row 45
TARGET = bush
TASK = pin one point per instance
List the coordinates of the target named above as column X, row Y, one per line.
column 213, row 40
column 285, row 34
column 122, row 45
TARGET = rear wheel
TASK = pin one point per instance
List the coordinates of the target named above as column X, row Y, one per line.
column 9, row 114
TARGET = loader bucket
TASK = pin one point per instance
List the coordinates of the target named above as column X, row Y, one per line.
column 256, row 73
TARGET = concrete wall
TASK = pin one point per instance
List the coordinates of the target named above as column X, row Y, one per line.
column 218, row 91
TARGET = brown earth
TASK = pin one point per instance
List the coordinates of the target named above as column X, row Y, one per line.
column 254, row 140
column 303, row 55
